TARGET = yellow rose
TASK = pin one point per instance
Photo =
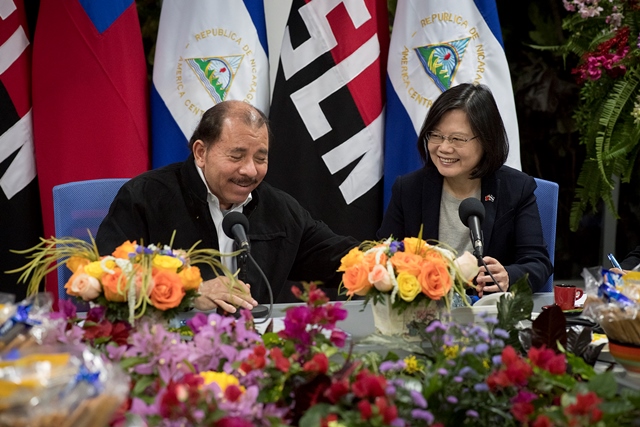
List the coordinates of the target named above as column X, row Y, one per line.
column 413, row 245
column 94, row 269
column 166, row 262
column 76, row 261
column 408, row 286
column 354, row 257
column 191, row 278
column 223, row 380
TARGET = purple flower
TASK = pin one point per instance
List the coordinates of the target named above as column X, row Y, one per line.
column 435, row 325
column 396, row 246
column 496, row 360
column 466, row 370
column 422, row 414
column 443, row 371
column 66, row 310
column 389, row 365
column 457, row 379
column 197, row 322
column 481, row 348
column 452, row 399
column 481, row 387
column 418, row 399
column 501, row 333
column 472, row 414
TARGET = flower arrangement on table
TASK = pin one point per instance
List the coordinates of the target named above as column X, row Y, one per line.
column 406, row 274
column 605, row 36
column 224, row 374
column 132, row 282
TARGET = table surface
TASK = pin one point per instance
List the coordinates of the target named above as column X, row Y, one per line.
column 359, row 322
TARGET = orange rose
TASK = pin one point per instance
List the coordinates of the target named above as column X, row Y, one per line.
column 406, row 262
column 191, row 278
column 434, row 255
column 434, row 279
column 125, row 249
column 115, row 286
column 76, row 261
column 356, row 280
column 167, row 291
column 354, row 257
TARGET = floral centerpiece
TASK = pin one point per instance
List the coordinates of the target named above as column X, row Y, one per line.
column 405, row 279
column 605, row 35
column 132, row 282
column 219, row 372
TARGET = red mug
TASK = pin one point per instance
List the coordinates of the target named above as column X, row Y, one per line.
column 565, row 296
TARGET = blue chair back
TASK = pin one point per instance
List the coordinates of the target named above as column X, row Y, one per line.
column 547, row 198
column 78, row 207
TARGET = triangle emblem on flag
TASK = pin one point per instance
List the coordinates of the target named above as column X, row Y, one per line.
column 216, row 74
column 441, row 60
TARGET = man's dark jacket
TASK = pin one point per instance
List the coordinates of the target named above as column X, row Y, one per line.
column 286, row 242
column 511, row 226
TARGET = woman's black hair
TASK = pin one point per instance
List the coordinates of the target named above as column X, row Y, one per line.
column 477, row 101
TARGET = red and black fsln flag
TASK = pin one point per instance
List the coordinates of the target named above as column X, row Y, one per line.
column 20, row 215
column 327, row 112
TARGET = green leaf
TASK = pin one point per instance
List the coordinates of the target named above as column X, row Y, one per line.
column 512, row 310
column 616, row 407
column 142, row 384
column 604, row 385
column 132, row 361
column 313, row 416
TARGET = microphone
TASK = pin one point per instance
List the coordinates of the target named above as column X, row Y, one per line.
column 471, row 213
column 235, row 226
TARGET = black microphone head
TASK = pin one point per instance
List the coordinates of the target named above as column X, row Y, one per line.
column 470, row 207
column 234, row 218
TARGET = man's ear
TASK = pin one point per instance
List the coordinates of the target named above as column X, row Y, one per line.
column 199, row 152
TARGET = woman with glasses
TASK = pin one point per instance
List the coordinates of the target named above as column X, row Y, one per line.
column 463, row 144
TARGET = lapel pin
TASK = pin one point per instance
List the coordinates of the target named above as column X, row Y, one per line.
column 489, row 198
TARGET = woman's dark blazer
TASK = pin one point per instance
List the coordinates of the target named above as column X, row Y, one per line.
column 511, row 227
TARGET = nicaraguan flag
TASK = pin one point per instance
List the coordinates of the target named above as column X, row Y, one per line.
column 20, row 218
column 207, row 51
column 435, row 45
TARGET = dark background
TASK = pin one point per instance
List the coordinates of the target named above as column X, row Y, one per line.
column 546, row 96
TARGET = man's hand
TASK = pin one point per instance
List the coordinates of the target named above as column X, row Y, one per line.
column 499, row 273
column 218, row 293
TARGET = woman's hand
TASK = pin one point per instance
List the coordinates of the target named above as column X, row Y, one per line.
column 218, row 292
column 485, row 282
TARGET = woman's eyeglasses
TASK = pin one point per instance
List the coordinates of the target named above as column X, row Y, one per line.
column 438, row 138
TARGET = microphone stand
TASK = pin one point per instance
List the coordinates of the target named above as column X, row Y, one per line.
column 484, row 264
column 270, row 309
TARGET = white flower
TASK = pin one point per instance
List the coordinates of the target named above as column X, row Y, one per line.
column 467, row 265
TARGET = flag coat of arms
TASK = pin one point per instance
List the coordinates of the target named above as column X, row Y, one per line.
column 20, row 218
column 435, row 45
column 207, row 51
column 327, row 112
column 90, row 96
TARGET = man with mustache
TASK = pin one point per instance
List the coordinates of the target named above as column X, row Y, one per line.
column 224, row 173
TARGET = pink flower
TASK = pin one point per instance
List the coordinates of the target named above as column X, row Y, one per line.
column 84, row 286
column 379, row 277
